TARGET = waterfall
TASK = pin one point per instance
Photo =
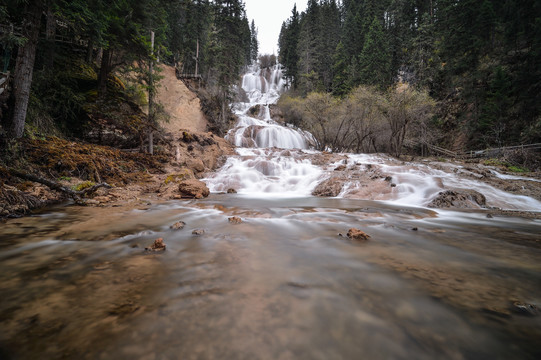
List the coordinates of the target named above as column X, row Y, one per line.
column 275, row 160
column 255, row 127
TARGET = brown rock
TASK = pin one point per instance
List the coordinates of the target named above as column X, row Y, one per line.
column 195, row 164
column 193, row 189
column 198, row 232
column 231, row 191
column 331, row 187
column 459, row 198
column 158, row 245
column 340, row 168
column 178, row 225
column 235, row 220
column 356, row 234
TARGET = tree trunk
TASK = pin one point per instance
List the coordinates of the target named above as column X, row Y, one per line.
column 105, row 69
column 90, row 51
column 24, row 68
column 50, row 32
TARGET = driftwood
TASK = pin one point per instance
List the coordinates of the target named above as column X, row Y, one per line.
column 75, row 195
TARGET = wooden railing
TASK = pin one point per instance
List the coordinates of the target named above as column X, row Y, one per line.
column 473, row 153
column 491, row 151
column 189, row 76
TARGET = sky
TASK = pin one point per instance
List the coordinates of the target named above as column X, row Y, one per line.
column 268, row 17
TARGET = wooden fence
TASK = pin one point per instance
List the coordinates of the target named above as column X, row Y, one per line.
column 473, row 153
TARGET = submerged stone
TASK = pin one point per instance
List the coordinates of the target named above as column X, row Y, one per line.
column 235, row 220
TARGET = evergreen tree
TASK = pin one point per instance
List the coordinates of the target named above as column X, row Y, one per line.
column 288, row 46
column 375, row 60
column 254, row 43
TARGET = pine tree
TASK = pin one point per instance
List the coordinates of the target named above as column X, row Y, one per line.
column 254, row 43
column 375, row 60
column 288, row 46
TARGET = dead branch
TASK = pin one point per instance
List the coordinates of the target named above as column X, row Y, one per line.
column 75, row 195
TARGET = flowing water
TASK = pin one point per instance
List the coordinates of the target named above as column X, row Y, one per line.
column 285, row 283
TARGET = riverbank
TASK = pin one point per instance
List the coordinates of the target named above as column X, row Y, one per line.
column 184, row 150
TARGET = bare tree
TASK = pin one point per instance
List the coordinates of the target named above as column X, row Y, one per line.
column 406, row 107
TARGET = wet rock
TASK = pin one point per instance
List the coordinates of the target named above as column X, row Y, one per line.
column 340, row 168
column 414, row 229
column 198, row 232
column 458, row 198
column 158, row 245
column 388, row 178
column 489, row 216
column 393, row 185
column 231, row 191
column 525, row 309
column 235, row 220
column 329, row 188
column 356, row 234
column 193, row 189
column 179, row 225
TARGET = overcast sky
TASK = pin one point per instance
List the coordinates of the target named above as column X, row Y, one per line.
column 269, row 16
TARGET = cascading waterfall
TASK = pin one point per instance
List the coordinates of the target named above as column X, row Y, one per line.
column 255, row 127
column 274, row 159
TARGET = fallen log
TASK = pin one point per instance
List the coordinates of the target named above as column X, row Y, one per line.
column 75, row 195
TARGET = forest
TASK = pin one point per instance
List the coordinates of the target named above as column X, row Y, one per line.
column 75, row 64
column 462, row 74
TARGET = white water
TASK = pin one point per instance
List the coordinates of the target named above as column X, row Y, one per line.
column 263, row 87
column 263, row 167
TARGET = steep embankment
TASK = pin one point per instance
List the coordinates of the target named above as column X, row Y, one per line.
column 182, row 105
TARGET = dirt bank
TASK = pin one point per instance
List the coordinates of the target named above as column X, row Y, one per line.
column 184, row 151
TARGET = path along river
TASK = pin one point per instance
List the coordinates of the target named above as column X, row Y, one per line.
column 75, row 282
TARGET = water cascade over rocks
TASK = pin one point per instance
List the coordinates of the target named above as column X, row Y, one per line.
column 275, row 160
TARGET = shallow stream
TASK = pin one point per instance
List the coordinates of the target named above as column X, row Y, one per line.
column 286, row 283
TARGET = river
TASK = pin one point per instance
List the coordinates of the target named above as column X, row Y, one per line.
column 286, row 283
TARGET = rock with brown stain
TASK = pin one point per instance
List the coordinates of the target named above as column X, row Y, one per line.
column 158, row 245
column 329, row 188
column 193, row 189
column 356, row 234
column 235, row 220
column 179, row 225
column 458, row 198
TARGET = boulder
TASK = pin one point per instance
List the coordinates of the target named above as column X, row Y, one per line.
column 193, row 189
column 356, row 234
column 195, row 164
column 459, row 199
column 231, row 191
column 329, row 188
